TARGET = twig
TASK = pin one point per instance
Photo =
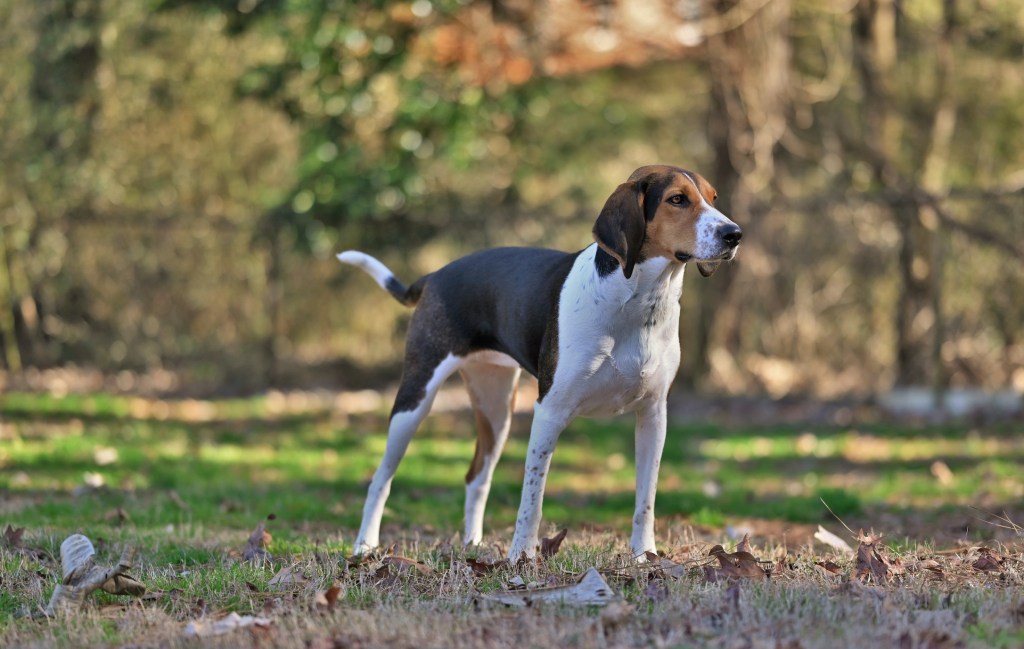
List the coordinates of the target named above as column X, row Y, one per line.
column 855, row 535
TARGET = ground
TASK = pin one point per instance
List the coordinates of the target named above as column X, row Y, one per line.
column 186, row 482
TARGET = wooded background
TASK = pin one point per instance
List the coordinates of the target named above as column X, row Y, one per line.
column 177, row 175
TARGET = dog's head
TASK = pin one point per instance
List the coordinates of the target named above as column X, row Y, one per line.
column 664, row 211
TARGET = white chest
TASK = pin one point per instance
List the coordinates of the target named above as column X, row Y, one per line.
column 618, row 339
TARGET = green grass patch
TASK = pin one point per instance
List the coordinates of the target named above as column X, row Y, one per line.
column 186, row 482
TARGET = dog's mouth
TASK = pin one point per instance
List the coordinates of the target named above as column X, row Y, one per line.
column 728, row 255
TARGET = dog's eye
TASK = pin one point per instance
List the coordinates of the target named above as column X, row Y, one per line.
column 679, row 199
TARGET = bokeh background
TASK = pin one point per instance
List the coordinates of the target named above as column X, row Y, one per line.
column 178, row 174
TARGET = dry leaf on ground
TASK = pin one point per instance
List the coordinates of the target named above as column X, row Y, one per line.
column 231, row 622
column 81, row 576
column 738, row 565
column 932, row 566
column 549, row 546
column 988, row 560
column 872, row 560
column 327, row 598
column 399, row 566
column 590, row 590
column 744, row 544
column 481, row 567
column 288, row 576
column 12, row 537
column 255, row 547
column 117, row 516
column 833, row 541
column 666, row 566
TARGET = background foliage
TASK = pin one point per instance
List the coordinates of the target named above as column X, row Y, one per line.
column 178, row 174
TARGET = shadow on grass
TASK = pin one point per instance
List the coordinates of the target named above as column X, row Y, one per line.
column 312, row 472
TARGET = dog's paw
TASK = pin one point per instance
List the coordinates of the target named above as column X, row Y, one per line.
column 362, row 547
column 523, row 550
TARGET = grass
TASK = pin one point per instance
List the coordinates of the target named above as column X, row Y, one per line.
column 185, row 482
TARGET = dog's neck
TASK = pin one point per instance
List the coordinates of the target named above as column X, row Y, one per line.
column 655, row 277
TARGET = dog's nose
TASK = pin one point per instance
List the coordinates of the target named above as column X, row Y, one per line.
column 730, row 234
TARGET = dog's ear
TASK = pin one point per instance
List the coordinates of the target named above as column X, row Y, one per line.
column 707, row 268
column 620, row 227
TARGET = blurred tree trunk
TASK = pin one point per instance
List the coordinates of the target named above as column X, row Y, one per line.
column 750, row 79
column 935, row 180
column 919, row 326
column 8, row 335
column 66, row 103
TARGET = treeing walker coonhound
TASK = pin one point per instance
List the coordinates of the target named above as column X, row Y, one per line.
column 598, row 328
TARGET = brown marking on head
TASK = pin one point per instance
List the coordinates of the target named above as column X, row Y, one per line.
column 653, row 214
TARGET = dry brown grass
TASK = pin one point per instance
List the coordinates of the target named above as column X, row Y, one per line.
column 930, row 599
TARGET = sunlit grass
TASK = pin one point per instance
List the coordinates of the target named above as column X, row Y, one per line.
column 232, row 460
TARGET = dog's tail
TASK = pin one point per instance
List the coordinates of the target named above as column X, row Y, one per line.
column 408, row 296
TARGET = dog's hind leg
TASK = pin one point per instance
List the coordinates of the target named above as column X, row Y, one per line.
column 492, row 390
column 420, row 382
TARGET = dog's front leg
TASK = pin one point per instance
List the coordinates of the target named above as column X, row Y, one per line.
column 651, row 422
column 544, row 434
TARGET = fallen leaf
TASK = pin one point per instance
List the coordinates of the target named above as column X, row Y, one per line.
column 932, row 566
column 872, row 561
column 481, row 568
column 287, row 576
column 711, row 574
column 124, row 584
column 666, row 566
column 81, row 576
column 76, row 557
column 399, row 566
column 744, row 544
column 328, row 598
column 117, row 516
column 549, row 547
column 255, row 547
column 154, row 595
column 590, row 590
column 829, row 566
column 12, row 537
column 833, row 541
column 988, row 561
column 781, row 564
column 231, row 622
column 738, row 565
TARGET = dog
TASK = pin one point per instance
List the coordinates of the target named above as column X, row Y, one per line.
column 598, row 328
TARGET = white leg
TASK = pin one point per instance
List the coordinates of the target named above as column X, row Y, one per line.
column 543, row 436
column 492, row 391
column 651, row 421
column 400, row 431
